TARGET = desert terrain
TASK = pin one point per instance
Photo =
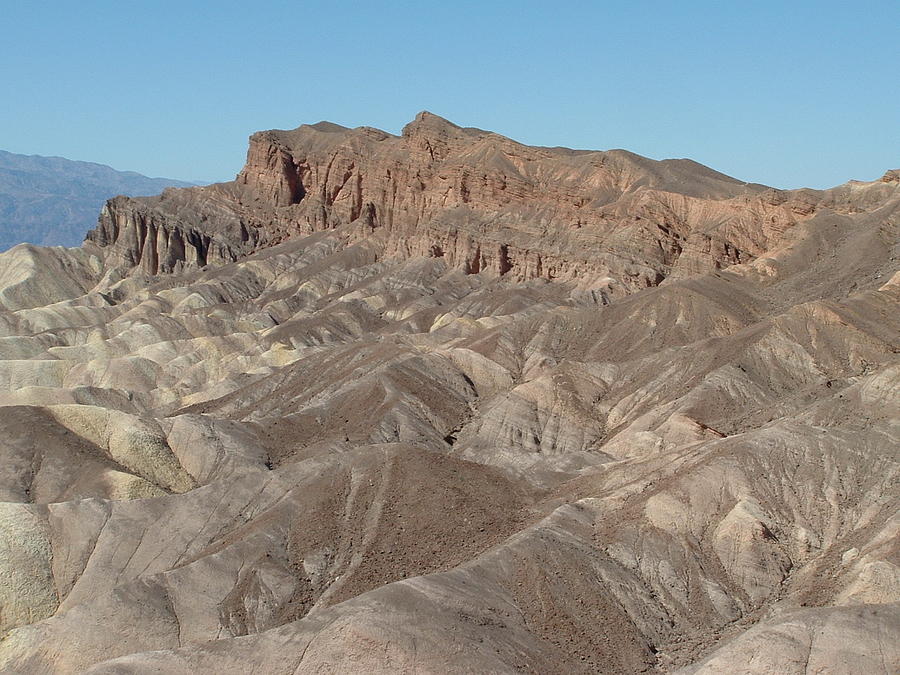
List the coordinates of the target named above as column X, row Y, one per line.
column 442, row 402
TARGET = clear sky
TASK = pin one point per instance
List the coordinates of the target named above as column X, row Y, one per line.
column 788, row 93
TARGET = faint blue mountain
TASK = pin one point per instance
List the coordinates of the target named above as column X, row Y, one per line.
column 53, row 201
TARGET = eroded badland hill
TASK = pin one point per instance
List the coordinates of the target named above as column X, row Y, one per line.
column 442, row 402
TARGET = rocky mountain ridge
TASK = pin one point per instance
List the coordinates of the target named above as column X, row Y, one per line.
column 478, row 199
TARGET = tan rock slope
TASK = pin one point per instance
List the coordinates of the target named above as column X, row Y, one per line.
column 447, row 403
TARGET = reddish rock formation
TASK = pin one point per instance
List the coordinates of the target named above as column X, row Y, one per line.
column 481, row 201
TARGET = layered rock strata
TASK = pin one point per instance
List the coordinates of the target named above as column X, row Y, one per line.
column 611, row 220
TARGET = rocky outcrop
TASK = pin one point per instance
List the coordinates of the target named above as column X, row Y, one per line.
column 483, row 203
column 142, row 235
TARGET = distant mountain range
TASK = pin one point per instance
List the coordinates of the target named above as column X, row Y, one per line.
column 54, row 201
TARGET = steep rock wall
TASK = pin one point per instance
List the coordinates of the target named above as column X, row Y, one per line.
column 481, row 201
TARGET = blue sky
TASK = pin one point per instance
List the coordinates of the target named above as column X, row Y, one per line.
column 785, row 93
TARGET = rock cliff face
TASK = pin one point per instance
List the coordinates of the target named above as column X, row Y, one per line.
column 610, row 220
